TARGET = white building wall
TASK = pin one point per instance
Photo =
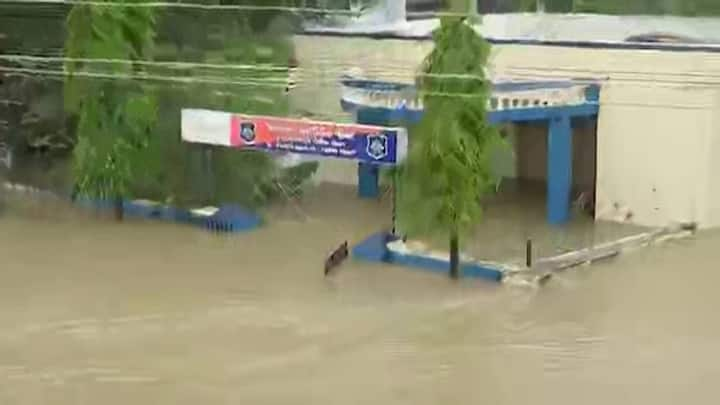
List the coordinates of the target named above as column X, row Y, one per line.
column 653, row 130
column 650, row 158
column 658, row 135
column 711, row 183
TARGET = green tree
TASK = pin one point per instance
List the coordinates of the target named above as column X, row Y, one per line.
column 447, row 171
column 192, row 174
column 115, row 156
column 115, row 116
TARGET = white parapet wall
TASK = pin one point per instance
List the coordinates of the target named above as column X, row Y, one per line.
column 711, row 154
column 503, row 99
column 654, row 155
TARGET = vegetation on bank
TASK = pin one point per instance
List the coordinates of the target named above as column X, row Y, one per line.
column 115, row 111
column 123, row 119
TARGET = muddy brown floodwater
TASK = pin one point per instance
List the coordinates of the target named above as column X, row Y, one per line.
column 92, row 312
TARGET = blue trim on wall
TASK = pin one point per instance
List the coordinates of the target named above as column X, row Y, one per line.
column 381, row 116
column 559, row 166
column 374, row 249
column 543, row 113
column 380, row 85
column 386, row 116
column 592, row 93
column 534, row 85
column 531, row 42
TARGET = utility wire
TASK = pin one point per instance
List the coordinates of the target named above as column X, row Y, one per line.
column 270, row 83
column 190, row 65
column 227, row 7
column 394, row 72
column 529, row 72
column 189, row 5
column 188, row 80
column 120, row 76
column 243, row 83
column 170, row 64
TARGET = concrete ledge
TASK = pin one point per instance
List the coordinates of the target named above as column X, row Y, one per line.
column 232, row 218
column 375, row 249
column 226, row 219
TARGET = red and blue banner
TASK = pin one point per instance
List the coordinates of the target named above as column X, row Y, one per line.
column 363, row 143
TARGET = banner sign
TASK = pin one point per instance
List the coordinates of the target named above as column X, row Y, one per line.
column 362, row 143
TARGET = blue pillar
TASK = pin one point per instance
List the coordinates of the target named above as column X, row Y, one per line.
column 559, row 175
column 369, row 174
column 368, row 180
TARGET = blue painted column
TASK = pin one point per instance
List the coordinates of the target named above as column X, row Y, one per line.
column 368, row 180
column 559, row 175
column 369, row 174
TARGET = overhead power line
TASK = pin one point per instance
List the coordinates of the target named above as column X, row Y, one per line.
column 188, row 5
column 60, row 74
column 228, row 7
column 385, row 71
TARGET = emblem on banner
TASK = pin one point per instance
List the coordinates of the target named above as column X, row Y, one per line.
column 247, row 132
column 377, row 146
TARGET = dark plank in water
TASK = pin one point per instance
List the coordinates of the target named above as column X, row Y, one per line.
column 336, row 258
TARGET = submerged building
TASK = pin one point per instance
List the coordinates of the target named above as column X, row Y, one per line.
column 648, row 155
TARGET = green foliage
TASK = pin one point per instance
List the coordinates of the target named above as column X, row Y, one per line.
column 110, row 136
column 128, row 130
column 448, row 167
column 115, row 117
column 191, row 174
column 37, row 125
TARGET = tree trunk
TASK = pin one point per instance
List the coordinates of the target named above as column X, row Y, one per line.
column 118, row 209
column 454, row 255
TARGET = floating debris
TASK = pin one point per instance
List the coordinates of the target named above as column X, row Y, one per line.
column 336, row 258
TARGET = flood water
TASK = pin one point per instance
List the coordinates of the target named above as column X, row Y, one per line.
column 94, row 312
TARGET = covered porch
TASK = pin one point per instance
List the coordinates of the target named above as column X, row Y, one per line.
column 556, row 104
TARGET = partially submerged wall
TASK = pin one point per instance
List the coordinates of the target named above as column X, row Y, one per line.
column 650, row 154
column 710, row 154
column 657, row 133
